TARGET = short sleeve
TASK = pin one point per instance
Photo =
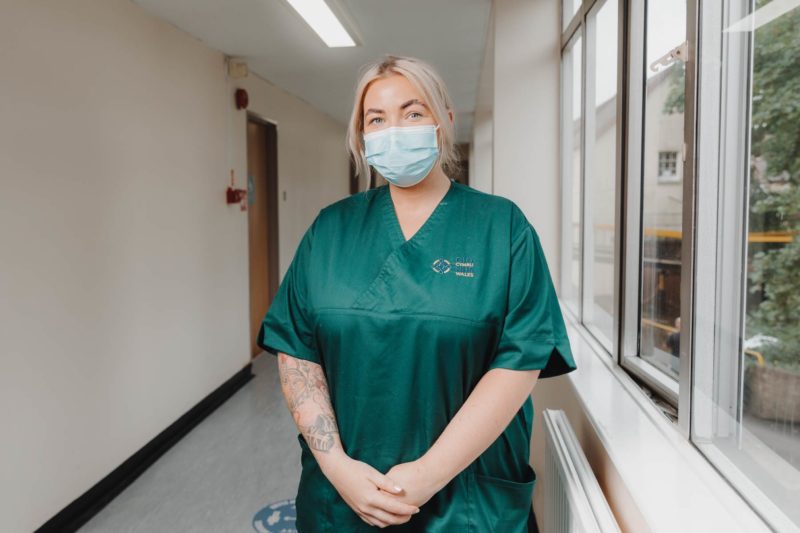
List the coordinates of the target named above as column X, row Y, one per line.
column 533, row 335
column 287, row 326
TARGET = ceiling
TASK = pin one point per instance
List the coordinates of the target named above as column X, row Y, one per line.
column 281, row 48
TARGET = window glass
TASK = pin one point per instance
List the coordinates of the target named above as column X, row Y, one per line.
column 662, row 200
column 771, row 380
column 746, row 368
column 600, row 182
column 571, row 147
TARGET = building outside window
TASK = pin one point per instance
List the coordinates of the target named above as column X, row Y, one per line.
column 667, row 166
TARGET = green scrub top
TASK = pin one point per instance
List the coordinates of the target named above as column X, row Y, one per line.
column 404, row 330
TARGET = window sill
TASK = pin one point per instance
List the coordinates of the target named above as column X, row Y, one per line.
column 671, row 483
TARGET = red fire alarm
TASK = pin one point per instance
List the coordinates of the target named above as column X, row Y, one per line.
column 241, row 99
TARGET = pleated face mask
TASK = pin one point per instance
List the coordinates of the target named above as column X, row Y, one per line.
column 403, row 155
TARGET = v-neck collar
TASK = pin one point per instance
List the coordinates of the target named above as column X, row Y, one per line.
column 393, row 223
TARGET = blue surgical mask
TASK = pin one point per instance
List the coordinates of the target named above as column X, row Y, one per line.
column 403, row 155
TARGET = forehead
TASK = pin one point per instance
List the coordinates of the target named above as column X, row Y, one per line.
column 390, row 92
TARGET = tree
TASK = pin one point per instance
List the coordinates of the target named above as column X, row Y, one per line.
column 775, row 139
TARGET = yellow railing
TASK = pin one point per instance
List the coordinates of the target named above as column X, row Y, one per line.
column 659, row 325
column 755, row 236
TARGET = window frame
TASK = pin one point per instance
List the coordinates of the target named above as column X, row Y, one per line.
column 589, row 26
column 567, row 184
column 723, row 132
column 583, row 25
column 676, row 392
column 628, row 238
column 709, row 148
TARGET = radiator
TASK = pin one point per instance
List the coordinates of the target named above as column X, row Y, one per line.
column 573, row 500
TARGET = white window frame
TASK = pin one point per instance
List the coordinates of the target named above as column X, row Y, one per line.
column 568, row 172
column 695, row 394
column 625, row 345
column 674, row 392
column 583, row 25
column 723, row 134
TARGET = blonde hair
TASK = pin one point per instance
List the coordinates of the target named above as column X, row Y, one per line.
column 428, row 82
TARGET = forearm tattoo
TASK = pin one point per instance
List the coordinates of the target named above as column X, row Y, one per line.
column 303, row 382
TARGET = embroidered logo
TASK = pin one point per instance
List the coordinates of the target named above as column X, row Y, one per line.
column 462, row 266
column 442, row 266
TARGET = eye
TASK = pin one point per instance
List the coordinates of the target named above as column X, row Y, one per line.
column 372, row 121
column 417, row 113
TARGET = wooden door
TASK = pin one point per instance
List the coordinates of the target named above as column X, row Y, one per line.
column 262, row 179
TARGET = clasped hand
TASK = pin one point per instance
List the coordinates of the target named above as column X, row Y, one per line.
column 372, row 495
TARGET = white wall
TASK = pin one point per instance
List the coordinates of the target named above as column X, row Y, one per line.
column 123, row 275
column 481, row 147
column 526, row 96
column 524, row 113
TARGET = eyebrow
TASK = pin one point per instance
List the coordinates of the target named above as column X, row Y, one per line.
column 403, row 106
column 412, row 101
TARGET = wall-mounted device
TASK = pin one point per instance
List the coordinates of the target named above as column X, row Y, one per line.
column 236, row 196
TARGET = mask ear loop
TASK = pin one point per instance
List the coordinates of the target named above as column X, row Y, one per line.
column 439, row 157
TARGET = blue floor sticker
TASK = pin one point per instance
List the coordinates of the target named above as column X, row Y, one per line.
column 278, row 517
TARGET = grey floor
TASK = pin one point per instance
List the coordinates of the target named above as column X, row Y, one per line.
column 241, row 458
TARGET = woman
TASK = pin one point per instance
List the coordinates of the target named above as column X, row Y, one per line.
column 410, row 329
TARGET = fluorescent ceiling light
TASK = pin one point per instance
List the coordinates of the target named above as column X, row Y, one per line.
column 763, row 15
column 319, row 16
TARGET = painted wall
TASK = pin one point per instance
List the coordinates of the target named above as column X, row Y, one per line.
column 525, row 113
column 481, row 147
column 124, row 276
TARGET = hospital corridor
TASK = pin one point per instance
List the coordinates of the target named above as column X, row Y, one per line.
column 423, row 266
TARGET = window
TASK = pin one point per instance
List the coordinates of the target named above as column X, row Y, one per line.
column 600, row 176
column 589, row 169
column 681, row 220
column 746, row 401
column 667, row 167
column 661, row 204
column 571, row 161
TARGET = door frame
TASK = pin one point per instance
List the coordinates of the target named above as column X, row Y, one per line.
column 271, row 150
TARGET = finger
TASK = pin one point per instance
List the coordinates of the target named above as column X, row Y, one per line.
column 392, row 505
column 369, row 519
column 365, row 511
column 385, row 482
column 388, row 518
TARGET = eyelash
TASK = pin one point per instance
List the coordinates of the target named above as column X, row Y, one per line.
column 372, row 120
